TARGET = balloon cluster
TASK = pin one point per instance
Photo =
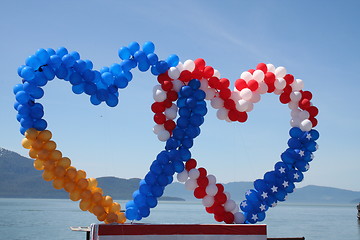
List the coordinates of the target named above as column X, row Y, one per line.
column 182, row 90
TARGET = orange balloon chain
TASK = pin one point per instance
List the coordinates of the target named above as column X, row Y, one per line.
column 63, row 175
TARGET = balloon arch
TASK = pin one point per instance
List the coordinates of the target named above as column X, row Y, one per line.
column 179, row 111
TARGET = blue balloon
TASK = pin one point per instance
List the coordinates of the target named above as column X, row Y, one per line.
column 48, row 72
column 163, row 157
column 112, row 100
column 55, row 61
column 168, row 169
column 190, row 102
column 281, row 169
column 20, row 68
column 194, row 84
column 171, row 143
column 75, row 78
column 178, row 166
column 78, row 89
column 172, row 60
column 145, row 189
column 178, row 133
column 50, row 51
column 200, row 109
column 161, row 66
column 295, row 175
column 143, row 66
column 140, row 200
column 296, row 132
column 33, row 61
column 61, row 51
column 148, row 47
column 311, row 146
column 261, row 216
column 79, row 66
column 40, row 124
column 156, row 168
column 162, row 180
column 23, row 109
column 26, row 123
column 43, row 56
column 121, row 82
column 314, row 134
column 199, row 95
column 184, row 112
column 115, row 69
column 280, row 195
column 133, row 47
column 61, row 72
column 294, row 143
column 27, row 73
column 22, row 97
column 270, row 177
column 102, row 94
column 75, row 55
column 158, row 191
column 130, row 204
column 302, row 165
column 187, row 142
column 144, row 211
column 126, row 65
column 196, row 120
column 151, row 201
column 37, row 111
column 107, row 78
column 186, row 91
column 150, row 178
column 261, row 186
column 185, row 154
column 40, row 79
column 192, row 131
column 152, row 58
column 90, row 76
column 140, row 56
column 68, row 60
column 90, row 88
column 182, row 122
column 94, row 100
column 131, row 213
column 124, row 53
column 89, row 64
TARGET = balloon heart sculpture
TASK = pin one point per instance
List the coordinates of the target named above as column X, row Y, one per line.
column 182, row 90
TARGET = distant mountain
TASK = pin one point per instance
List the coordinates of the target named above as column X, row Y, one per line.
column 19, row 179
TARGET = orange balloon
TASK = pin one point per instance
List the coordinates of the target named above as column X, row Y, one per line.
column 80, row 174
column 33, row 153
column 98, row 210
column 92, row 182
column 115, row 207
column 102, row 217
column 85, row 205
column 60, row 171
column 71, row 173
column 55, row 155
column 107, row 201
column 83, row 183
column 64, row 162
column 111, row 218
column 58, row 183
column 69, row 186
column 86, row 194
column 49, row 165
column 31, row 133
column 75, row 195
column 48, row 175
column 121, row 218
column 26, row 143
column 43, row 154
column 44, row 135
column 38, row 164
column 37, row 144
column 50, row 146
column 97, row 197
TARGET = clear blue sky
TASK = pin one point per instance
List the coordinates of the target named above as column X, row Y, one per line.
column 317, row 41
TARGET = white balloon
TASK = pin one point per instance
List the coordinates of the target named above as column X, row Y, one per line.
column 293, row 123
column 258, row 75
column 280, row 83
column 236, row 209
column 228, row 195
column 211, row 178
column 239, row 218
column 189, row 65
column 216, row 73
column 295, row 113
column 250, row 107
column 263, row 88
column 222, row 113
column 306, row 125
column 235, row 95
column 295, row 96
column 210, row 93
column 191, row 184
column 157, row 128
column 280, row 72
column 246, row 94
column 246, row 76
column 183, row 176
column 194, row 174
column 293, row 105
column 297, row 85
column 211, row 190
column 278, row 91
column 255, row 97
column 229, row 205
column 228, row 119
column 170, row 113
column 304, row 115
column 174, row 73
column 180, row 67
column 163, row 135
column 177, row 84
column 242, row 105
column 160, row 95
column 270, row 68
column 217, row 103
column 204, row 84
column 208, row 201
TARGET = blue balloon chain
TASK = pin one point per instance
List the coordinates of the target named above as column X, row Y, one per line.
column 101, row 86
column 192, row 109
column 278, row 183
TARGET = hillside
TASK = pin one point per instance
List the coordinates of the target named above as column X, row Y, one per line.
column 20, row 180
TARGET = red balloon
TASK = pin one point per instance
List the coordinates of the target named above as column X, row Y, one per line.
column 251, row 71
column 167, row 85
column 225, row 93
column 169, row 125
column 253, row 85
column 229, row 104
column 288, row 89
column 190, row 164
column 307, row 95
column 197, row 74
column 220, row 187
column 240, row 84
column 185, row 76
column 167, row 103
column 262, row 67
column 219, row 217
column 163, row 77
column 285, row 98
column 200, row 63
column 208, row 71
column 220, row 198
column 304, row 104
column 172, row 95
column 200, row 192
column 219, row 209
column 229, row 217
column 233, row 115
column 214, row 82
column 313, row 111
column 269, row 80
column 202, row 182
column 210, row 209
column 159, row 118
column 242, row 117
column 202, row 172
column 289, row 79
column 314, row 121
column 224, row 83
column 157, row 107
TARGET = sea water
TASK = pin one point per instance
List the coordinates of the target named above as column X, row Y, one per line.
column 35, row 219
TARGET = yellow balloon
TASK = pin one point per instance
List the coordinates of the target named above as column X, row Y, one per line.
column 31, row 133
column 44, row 135
column 26, row 143
column 107, row 201
column 38, row 164
column 64, row 162
column 58, row 183
column 48, row 175
column 85, row 205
